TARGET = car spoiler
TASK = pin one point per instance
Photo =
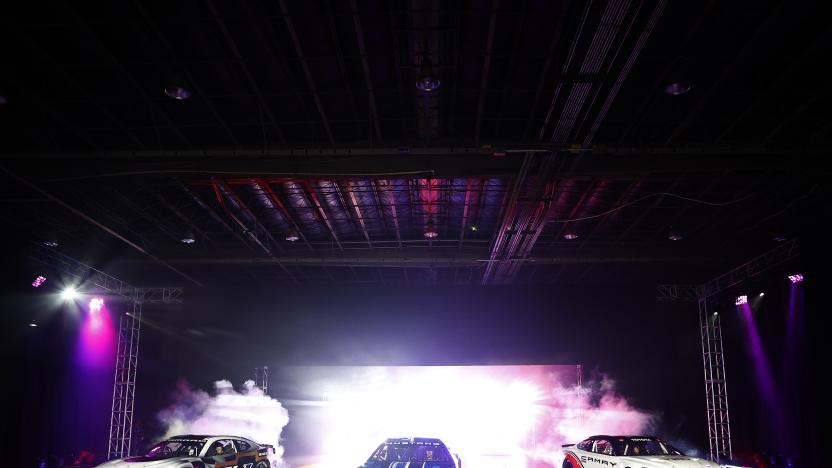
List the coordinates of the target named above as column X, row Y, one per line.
column 568, row 445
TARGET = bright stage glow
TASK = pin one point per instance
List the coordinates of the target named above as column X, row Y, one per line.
column 38, row 281
column 97, row 335
column 796, row 278
column 741, row 300
column 95, row 319
column 69, row 293
column 96, row 304
column 492, row 416
column 469, row 413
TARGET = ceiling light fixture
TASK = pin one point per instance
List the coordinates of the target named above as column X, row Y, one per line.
column 430, row 230
column 427, row 80
column 675, row 235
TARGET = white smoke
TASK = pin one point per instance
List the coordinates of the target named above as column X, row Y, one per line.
column 593, row 410
column 248, row 413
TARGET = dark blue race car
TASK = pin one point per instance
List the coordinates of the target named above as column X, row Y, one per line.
column 414, row 452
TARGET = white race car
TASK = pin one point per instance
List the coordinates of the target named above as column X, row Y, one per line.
column 628, row 452
column 200, row 451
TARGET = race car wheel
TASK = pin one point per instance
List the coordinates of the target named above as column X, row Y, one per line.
column 567, row 464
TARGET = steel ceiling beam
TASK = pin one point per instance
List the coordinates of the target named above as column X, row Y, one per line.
column 368, row 81
column 182, row 217
column 232, row 45
column 310, row 191
column 358, row 215
column 547, row 65
column 266, row 187
column 392, row 204
column 310, row 81
column 217, row 218
column 486, row 69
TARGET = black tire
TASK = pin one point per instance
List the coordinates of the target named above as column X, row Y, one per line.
column 567, row 464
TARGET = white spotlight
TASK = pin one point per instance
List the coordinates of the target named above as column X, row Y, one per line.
column 69, row 294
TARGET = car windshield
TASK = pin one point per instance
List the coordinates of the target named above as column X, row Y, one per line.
column 411, row 453
column 175, row 448
column 643, row 446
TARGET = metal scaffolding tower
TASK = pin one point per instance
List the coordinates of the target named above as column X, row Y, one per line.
column 713, row 357
column 716, row 387
column 261, row 378
column 127, row 357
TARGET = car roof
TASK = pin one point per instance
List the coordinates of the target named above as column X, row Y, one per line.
column 203, row 438
column 414, row 440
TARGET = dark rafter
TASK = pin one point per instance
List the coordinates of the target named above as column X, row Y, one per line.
column 368, row 81
column 235, row 51
column 310, row 81
column 486, row 69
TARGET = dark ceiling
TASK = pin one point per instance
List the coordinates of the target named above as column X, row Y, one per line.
column 304, row 121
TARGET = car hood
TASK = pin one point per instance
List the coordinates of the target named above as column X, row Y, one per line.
column 136, row 462
column 670, row 461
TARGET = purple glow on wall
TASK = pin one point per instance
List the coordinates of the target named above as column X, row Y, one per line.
column 38, row 281
column 97, row 335
column 741, row 300
column 762, row 372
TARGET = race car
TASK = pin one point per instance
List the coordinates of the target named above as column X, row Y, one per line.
column 413, row 452
column 202, row 451
column 604, row 451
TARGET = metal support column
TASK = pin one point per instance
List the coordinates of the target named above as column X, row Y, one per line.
column 124, row 385
column 716, row 388
column 261, row 378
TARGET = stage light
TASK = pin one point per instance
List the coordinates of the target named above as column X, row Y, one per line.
column 741, row 300
column 474, row 228
column 292, row 236
column 50, row 243
column 33, row 324
column 678, row 88
column 430, row 230
column 570, row 236
column 69, row 293
column 427, row 80
column 675, row 235
column 96, row 304
column 779, row 238
column 38, row 281
column 797, row 278
column 762, row 294
column 188, row 238
column 178, row 92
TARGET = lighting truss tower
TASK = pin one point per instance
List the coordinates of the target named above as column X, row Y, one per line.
column 713, row 358
column 124, row 383
column 261, row 378
column 716, row 387
column 127, row 357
